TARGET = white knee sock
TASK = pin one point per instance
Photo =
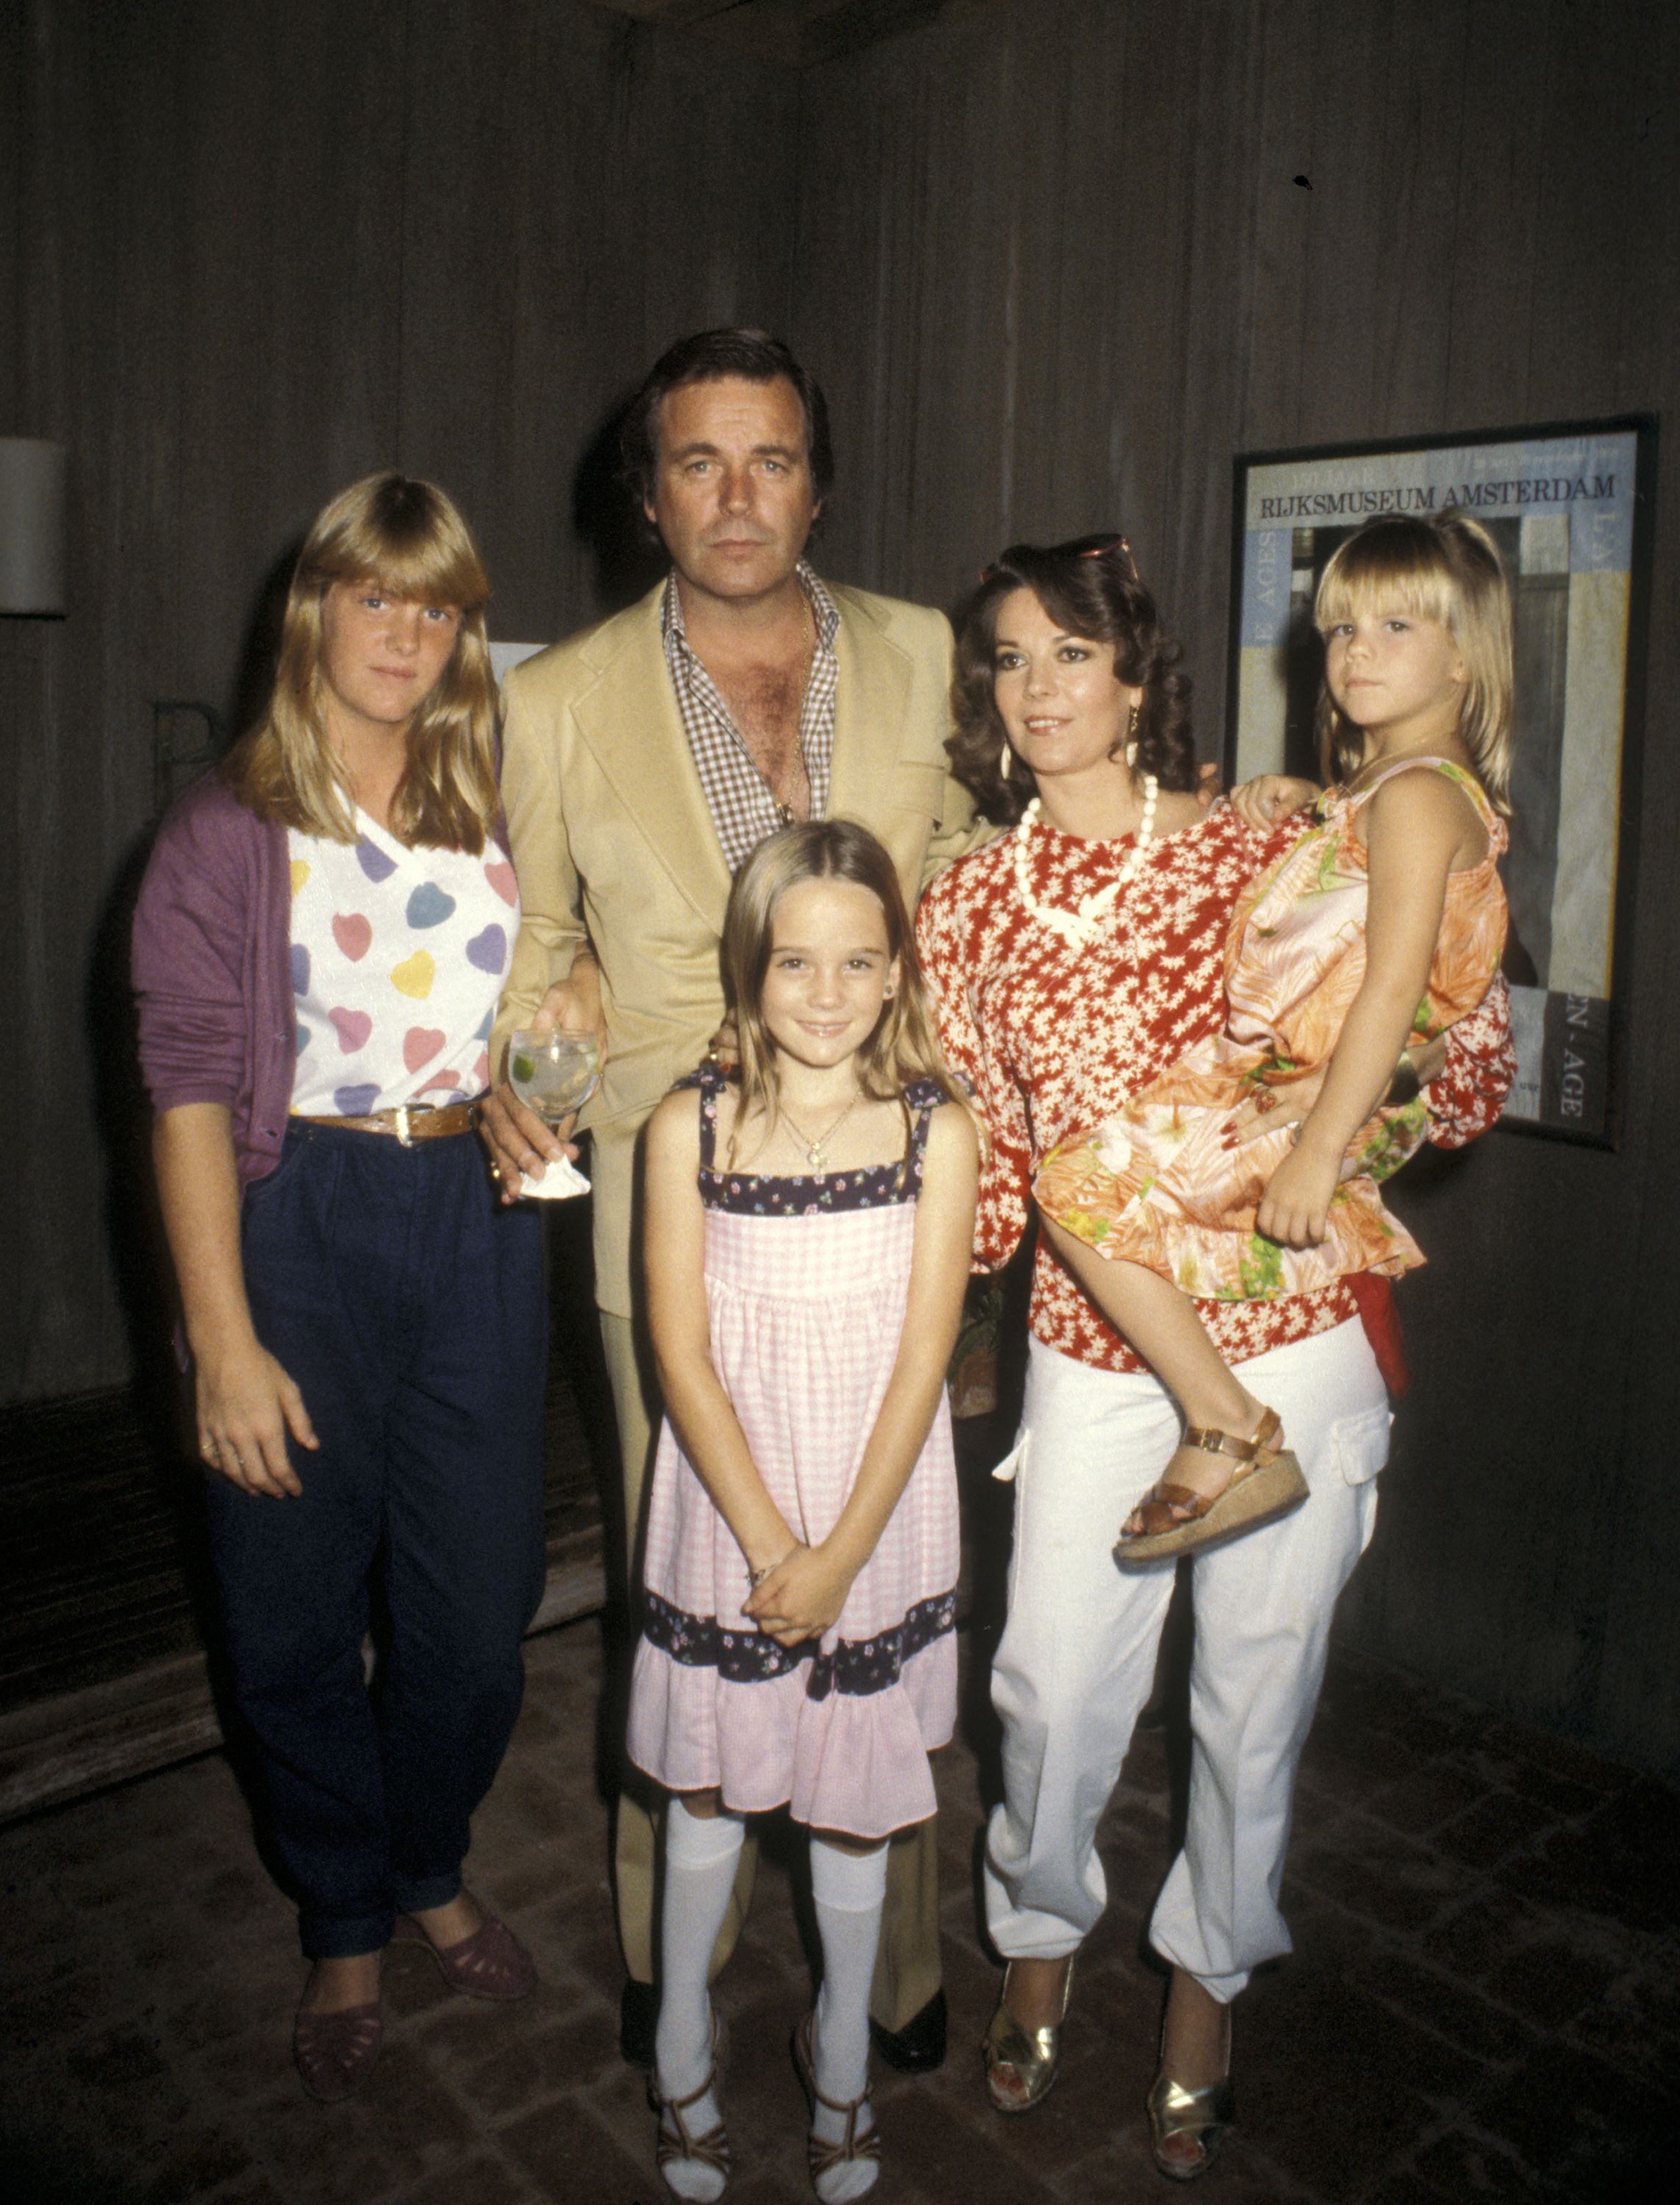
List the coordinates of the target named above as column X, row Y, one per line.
column 701, row 1854
column 848, row 1888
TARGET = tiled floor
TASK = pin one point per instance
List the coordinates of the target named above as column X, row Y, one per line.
column 1484, row 2002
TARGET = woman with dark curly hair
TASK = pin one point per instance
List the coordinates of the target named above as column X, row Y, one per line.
column 1074, row 960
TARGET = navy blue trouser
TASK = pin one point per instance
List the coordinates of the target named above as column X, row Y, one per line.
column 410, row 1308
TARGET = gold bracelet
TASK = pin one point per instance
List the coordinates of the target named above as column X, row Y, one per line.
column 755, row 1577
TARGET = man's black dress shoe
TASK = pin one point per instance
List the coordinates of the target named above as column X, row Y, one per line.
column 919, row 2047
column 638, row 2016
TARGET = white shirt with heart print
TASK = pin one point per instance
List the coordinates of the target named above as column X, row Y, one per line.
column 398, row 960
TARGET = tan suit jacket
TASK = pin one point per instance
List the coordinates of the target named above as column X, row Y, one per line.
column 612, row 838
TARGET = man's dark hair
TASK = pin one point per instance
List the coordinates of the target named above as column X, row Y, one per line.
column 705, row 357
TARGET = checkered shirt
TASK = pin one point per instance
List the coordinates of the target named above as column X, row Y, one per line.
column 744, row 812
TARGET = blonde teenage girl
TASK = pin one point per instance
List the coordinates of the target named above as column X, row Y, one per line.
column 1379, row 929
column 320, row 941
column 810, row 1219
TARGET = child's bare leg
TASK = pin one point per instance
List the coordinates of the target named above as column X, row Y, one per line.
column 1161, row 1323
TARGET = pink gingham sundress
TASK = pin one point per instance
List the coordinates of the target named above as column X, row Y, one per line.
column 806, row 1284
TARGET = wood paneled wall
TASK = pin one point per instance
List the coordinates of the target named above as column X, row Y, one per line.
column 1056, row 268
column 259, row 251
column 1051, row 260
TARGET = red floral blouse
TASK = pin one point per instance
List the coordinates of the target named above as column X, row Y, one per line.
column 1052, row 1039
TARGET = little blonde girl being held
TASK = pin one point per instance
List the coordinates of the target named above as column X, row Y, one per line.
column 1380, row 928
column 810, row 1219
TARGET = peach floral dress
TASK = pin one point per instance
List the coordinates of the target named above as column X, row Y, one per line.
column 1166, row 1183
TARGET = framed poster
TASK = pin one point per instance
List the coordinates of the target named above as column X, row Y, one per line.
column 1571, row 508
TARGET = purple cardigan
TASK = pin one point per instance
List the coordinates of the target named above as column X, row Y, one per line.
column 213, row 970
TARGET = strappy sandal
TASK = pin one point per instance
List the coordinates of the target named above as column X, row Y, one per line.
column 1268, row 1484
column 1205, row 2116
column 334, row 2052
column 490, row 1963
column 676, row 2144
column 823, row 2158
column 1033, row 2054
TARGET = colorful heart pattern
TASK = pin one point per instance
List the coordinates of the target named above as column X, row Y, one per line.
column 420, row 1044
column 369, row 896
column 415, row 975
column 353, row 934
column 429, row 906
column 373, row 861
column 489, row 951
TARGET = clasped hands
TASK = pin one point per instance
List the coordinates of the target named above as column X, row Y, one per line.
column 800, row 1597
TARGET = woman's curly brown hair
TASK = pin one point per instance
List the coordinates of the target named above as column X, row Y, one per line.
column 1090, row 588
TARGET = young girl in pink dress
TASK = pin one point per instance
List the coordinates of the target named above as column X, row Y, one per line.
column 1382, row 927
column 810, row 1220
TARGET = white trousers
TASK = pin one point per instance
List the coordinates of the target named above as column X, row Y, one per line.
column 1076, row 1659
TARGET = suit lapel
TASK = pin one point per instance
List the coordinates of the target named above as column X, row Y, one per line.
column 873, row 692
column 629, row 721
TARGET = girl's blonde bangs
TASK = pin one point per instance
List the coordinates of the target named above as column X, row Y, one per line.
column 1377, row 574
column 430, row 568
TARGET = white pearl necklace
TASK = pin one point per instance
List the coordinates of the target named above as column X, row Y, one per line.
column 1080, row 928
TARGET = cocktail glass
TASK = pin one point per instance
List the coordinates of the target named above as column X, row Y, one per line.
column 554, row 1073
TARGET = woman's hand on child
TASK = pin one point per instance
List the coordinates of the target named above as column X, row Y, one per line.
column 1295, row 1209
column 802, row 1597
column 247, row 1403
column 1271, row 797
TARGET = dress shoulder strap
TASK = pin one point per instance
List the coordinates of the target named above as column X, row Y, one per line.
column 921, row 1099
column 710, row 1079
column 1450, row 770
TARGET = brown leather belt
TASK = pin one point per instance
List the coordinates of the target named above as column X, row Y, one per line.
column 408, row 1123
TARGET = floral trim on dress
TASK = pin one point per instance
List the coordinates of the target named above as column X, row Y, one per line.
column 861, row 1665
column 700, row 1641
column 805, row 1194
column 855, row 1667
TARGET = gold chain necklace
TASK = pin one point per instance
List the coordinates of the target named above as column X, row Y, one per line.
column 817, row 1151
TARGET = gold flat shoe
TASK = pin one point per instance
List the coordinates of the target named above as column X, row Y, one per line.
column 1205, row 2116
column 1032, row 2054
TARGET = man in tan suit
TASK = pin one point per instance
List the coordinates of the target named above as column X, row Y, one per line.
column 644, row 758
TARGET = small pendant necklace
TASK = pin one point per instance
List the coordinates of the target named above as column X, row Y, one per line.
column 816, row 1148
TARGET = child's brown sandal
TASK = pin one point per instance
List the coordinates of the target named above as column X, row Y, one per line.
column 1268, row 1484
